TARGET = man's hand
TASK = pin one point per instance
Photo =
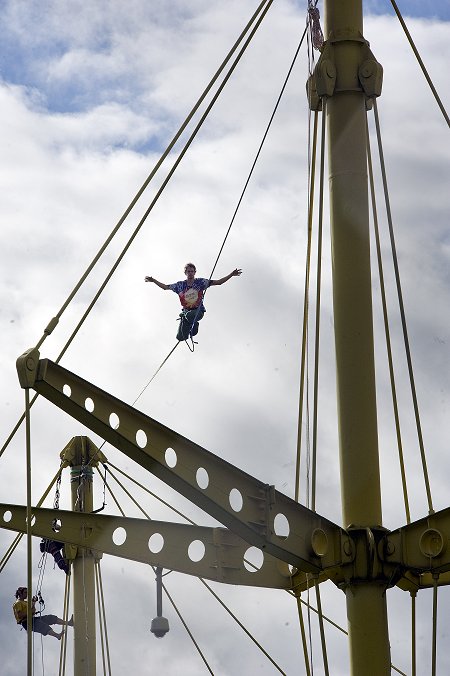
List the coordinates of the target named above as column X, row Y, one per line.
column 149, row 279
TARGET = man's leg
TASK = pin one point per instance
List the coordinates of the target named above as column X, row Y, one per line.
column 183, row 329
column 197, row 315
column 54, row 619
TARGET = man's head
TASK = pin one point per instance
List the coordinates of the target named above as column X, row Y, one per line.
column 21, row 593
column 190, row 270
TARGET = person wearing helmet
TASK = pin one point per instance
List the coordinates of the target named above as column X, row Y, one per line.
column 190, row 292
column 41, row 623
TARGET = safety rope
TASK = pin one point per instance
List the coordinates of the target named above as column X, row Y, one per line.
column 269, row 124
column 54, row 321
column 321, row 628
column 421, row 63
column 386, row 329
column 402, row 311
column 311, row 654
column 102, row 619
column 141, row 509
column 29, row 535
column 170, row 173
column 305, row 312
column 155, row 373
column 318, row 293
column 165, row 589
column 19, row 536
column 303, row 635
column 413, row 633
column 239, row 623
column 152, row 174
column 435, row 619
column 341, row 629
column 127, row 492
column 191, row 636
column 100, row 624
column 110, row 464
column 63, row 643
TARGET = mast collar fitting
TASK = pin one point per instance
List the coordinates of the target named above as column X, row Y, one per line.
column 27, row 366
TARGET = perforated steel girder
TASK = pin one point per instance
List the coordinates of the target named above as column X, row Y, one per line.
column 248, row 507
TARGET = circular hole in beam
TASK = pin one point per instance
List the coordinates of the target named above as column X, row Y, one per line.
column 67, row 390
column 236, row 500
column 89, row 404
column 119, row 536
column 170, row 457
column 7, row 516
column 196, row 551
column 253, row 559
column 156, row 543
column 281, row 526
column 114, row 421
column 202, row 478
column 141, row 439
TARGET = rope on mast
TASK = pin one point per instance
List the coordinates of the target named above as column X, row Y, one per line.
column 304, row 350
column 53, row 322
column 402, row 312
column 239, row 200
column 63, row 646
column 222, row 603
column 133, row 202
column 386, row 329
column 102, row 619
column 318, row 293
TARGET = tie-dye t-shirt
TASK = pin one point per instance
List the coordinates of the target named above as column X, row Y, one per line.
column 191, row 297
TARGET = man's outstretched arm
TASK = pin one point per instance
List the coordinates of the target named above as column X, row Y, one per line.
column 160, row 284
column 217, row 282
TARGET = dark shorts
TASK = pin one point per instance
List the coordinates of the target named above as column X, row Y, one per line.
column 41, row 624
column 189, row 322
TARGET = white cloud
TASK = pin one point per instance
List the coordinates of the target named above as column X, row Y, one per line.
column 104, row 85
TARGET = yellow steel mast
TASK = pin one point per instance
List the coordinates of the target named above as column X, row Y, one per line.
column 358, row 440
column 362, row 558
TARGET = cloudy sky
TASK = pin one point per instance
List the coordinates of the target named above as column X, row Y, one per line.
column 91, row 94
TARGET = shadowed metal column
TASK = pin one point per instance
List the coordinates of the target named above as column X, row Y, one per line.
column 83, row 571
column 360, row 480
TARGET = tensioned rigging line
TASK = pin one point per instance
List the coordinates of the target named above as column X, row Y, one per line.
column 421, row 63
column 141, row 509
column 233, row 218
column 269, row 124
column 315, row 37
column 19, row 536
column 149, row 178
column 63, row 646
column 311, row 187
column 167, row 593
column 147, row 212
column 402, row 312
column 318, row 293
column 386, row 328
column 139, row 506
column 102, row 619
column 434, row 637
column 29, row 540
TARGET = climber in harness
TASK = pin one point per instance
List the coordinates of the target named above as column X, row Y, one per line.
column 190, row 292
column 54, row 547
column 41, row 623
